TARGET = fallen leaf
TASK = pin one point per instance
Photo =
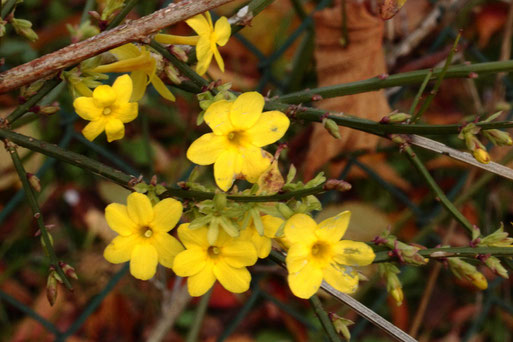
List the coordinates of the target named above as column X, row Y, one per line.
column 389, row 8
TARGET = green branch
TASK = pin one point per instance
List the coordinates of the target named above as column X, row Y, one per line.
column 447, row 252
column 323, row 317
column 29, row 193
column 7, row 8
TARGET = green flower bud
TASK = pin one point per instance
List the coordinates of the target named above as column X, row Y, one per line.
column 332, row 127
column 51, row 288
column 495, row 265
column 498, row 137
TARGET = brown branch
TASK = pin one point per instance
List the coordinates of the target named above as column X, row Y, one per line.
column 133, row 31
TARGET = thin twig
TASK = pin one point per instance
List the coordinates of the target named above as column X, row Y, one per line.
column 419, row 94
column 323, row 317
column 192, row 336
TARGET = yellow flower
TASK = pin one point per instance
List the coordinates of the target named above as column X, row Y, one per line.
column 142, row 67
column 262, row 243
column 206, row 43
column 481, row 155
column 203, row 263
column 143, row 237
column 240, row 129
column 316, row 253
column 108, row 109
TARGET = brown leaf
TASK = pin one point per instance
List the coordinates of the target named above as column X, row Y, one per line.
column 489, row 20
column 362, row 58
column 389, row 8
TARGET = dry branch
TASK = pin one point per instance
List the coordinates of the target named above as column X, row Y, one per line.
column 133, row 31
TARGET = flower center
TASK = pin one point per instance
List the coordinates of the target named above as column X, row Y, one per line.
column 321, row 251
column 213, row 251
column 147, row 232
column 236, row 137
column 107, row 111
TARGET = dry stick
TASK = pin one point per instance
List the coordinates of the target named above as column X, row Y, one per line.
column 136, row 30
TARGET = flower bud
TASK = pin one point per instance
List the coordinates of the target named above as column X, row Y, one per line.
column 498, row 137
column 398, row 295
column 49, row 110
column 332, row 127
column 34, row 182
column 389, row 273
column 24, row 28
column 337, row 184
column 463, row 269
column 499, row 238
column 495, row 265
column 51, row 288
column 395, row 118
column 178, row 52
column 220, row 201
column 173, row 74
column 481, row 156
column 341, row 325
column 68, row 270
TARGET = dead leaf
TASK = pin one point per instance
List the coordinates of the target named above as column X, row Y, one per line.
column 489, row 20
column 389, row 8
column 362, row 58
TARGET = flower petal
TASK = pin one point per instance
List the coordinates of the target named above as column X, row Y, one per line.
column 202, row 281
column 126, row 51
column 94, row 129
column 176, row 40
column 166, row 213
column 123, row 88
column 217, row 117
column 193, row 237
column 114, row 129
column 333, row 228
column 353, row 253
column 246, row 110
column 139, row 208
column 305, row 283
column 300, row 229
column 341, row 278
column 104, row 96
column 262, row 244
column 118, row 220
column 252, row 162
column 190, row 262
column 206, row 149
column 120, row 248
column 143, row 262
column 233, row 279
column 218, row 57
column 140, row 81
column 270, row 127
column 204, row 54
column 224, row 169
column 162, row 89
column 199, row 24
column 271, row 225
column 125, row 112
column 238, row 253
column 297, row 257
column 223, row 31
column 167, row 248
column 87, row 109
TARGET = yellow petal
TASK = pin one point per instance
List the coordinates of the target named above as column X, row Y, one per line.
column 341, row 279
column 270, row 127
column 224, row 169
column 223, row 31
column 353, row 253
column 176, row 40
column 271, row 225
column 218, row 58
column 120, row 248
column 238, row 253
column 114, row 129
column 143, row 62
column 246, row 110
column 167, row 248
column 123, row 88
column 233, row 279
column 126, row 51
column 104, row 96
column 217, row 117
column 202, row 281
column 94, row 129
column 167, row 213
column 140, row 81
column 139, row 208
column 209, row 20
column 193, row 237
column 118, row 220
column 305, row 283
column 262, row 244
column 206, row 149
column 252, row 162
column 204, row 54
column 300, row 229
column 199, row 24
column 161, row 88
column 190, row 262
column 297, row 257
column 143, row 262
column 125, row 112
column 333, row 228
column 87, row 109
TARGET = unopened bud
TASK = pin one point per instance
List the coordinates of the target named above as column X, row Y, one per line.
column 498, row 137
column 395, row 118
column 332, row 127
column 34, row 182
column 398, row 295
column 479, row 280
column 220, row 201
column 49, row 110
column 24, row 28
column 68, row 270
column 495, row 265
column 337, row 184
column 341, row 325
column 51, row 288
column 173, row 74
column 481, row 156
column 178, row 52
column 463, row 269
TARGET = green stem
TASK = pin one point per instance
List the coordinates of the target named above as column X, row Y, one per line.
column 439, row 80
column 412, row 77
column 324, row 319
column 7, row 8
column 436, row 189
column 122, row 14
column 419, row 94
column 200, row 315
column 254, row 8
column 87, row 8
column 147, row 142
column 447, row 252
column 124, row 180
column 29, row 193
